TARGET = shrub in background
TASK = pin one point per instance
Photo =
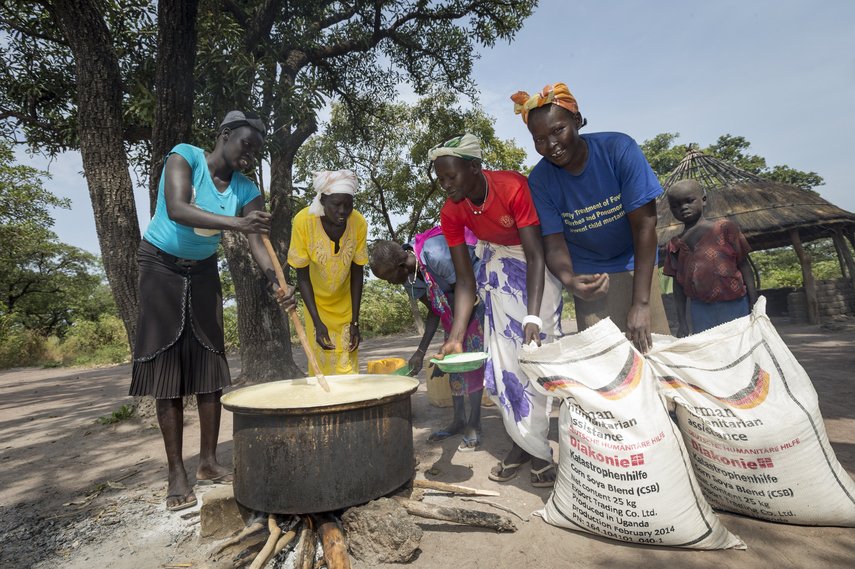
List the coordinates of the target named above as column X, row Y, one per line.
column 18, row 346
column 230, row 328
column 385, row 309
column 100, row 342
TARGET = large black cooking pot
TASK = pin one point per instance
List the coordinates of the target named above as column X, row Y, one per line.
column 340, row 449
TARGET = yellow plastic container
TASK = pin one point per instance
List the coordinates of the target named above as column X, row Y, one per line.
column 386, row 365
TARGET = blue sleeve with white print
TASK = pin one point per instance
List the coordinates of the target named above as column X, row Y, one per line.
column 638, row 182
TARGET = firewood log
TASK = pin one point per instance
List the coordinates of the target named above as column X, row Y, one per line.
column 265, row 553
column 458, row 515
column 332, row 540
column 452, row 488
column 249, row 530
column 245, row 557
column 306, row 560
column 244, row 535
column 301, row 544
column 283, row 541
column 495, row 505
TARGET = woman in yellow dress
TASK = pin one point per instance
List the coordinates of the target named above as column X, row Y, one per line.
column 328, row 249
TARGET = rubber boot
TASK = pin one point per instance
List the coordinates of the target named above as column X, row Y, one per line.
column 472, row 430
column 475, row 410
column 458, row 422
column 458, row 404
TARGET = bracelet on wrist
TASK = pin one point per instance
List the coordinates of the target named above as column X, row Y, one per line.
column 532, row 319
column 420, row 351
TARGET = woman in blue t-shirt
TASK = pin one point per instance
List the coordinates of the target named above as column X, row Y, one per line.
column 179, row 347
column 595, row 196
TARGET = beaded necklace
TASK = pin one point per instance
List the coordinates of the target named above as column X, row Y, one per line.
column 480, row 210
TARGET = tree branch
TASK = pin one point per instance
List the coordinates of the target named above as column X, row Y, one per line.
column 29, row 120
column 378, row 34
column 31, row 32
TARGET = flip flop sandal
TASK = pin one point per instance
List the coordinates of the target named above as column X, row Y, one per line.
column 217, row 480
column 497, row 476
column 537, row 479
column 183, row 505
column 469, row 444
column 441, row 436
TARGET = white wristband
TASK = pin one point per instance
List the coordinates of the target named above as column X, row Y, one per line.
column 532, row 319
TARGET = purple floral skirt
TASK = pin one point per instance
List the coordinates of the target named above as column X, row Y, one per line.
column 501, row 284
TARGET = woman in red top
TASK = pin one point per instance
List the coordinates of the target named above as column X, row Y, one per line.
column 709, row 263
column 522, row 301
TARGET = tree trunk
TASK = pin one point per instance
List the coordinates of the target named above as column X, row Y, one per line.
column 173, row 80
column 265, row 334
column 811, row 301
column 105, row 164
column 265, row 338
column 264, row 331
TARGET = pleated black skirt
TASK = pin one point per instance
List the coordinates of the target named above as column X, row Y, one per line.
column 179, row 347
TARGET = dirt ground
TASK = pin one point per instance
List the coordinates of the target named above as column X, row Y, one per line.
column 75, row 493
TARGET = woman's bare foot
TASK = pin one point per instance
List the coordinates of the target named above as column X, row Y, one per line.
column 509, row 466
column 214, row 473
column 179, row 493
column 542, row 473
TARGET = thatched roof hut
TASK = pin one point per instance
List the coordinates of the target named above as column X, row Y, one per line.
column 766, row 211
column 770, row 214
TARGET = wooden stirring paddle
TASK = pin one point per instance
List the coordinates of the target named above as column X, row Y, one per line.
column 292, row 314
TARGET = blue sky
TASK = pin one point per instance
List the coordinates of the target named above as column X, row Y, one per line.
column 780, row 73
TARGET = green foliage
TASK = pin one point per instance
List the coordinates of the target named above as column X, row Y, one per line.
column 664, row 155
column 385, row 309
column 122, row 413
column 19, row 346
column 94, row 343
column 37, row 80
column 786, row 175
column 780, row 267
column 230, row 328
column 101, row 342
column 734, row 150
column 387, row 146
column 54, row 305
column 23, row 199
column 284, row 59
column 46, row 284
column 50, row 284
column 568, row 311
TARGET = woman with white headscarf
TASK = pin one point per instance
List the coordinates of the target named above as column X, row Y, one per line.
column 328, row 249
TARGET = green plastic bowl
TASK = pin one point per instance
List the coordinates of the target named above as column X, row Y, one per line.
column 459, row 363
column 405, row 370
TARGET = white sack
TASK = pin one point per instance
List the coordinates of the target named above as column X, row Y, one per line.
column 750, row 419
column 623, row 471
